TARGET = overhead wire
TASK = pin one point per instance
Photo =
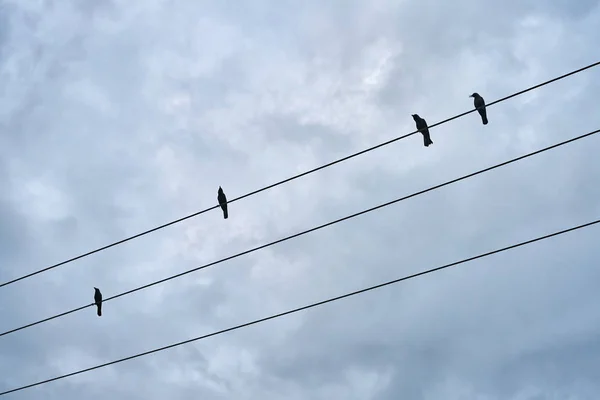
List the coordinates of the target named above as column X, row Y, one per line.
column 306, row 307
column 14, row 280
column 432, row 188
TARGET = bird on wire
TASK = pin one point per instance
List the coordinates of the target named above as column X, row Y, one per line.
column 223, row 202
column 98, row 300
column 422, row 127
column 480, row 106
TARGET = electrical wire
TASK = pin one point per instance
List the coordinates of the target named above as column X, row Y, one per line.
column 306, row 307
column 288, row 179
column 432, row 188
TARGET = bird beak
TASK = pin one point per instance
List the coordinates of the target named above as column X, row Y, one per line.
column 470, row 95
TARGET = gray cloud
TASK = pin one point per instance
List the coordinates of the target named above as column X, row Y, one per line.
column 118, row 116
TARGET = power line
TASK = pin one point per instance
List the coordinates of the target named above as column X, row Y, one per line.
column 295, row 310
column 309, row 230
column 289, row 179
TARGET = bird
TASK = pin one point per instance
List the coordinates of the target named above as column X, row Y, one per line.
column 422, row 127
column 222, row 202
column 480, row 106
column 98, row 300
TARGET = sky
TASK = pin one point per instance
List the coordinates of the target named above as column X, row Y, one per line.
column 120, row 115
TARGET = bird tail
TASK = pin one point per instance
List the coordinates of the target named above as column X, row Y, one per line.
column 225, row 214
column 427, row 141
column 484, row 119
column 99, row 310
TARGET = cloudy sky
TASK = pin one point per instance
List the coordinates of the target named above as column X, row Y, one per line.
column 120, row 115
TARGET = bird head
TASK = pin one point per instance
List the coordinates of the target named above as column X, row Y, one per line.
column 474, row 95
column 96, row 289
column 415, row 116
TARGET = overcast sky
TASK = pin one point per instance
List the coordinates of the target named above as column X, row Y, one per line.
column 120, row 115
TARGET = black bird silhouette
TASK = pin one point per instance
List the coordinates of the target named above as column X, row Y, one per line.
column 222, row 202
column 98, row 300
column 422, row 127
column 480, row 106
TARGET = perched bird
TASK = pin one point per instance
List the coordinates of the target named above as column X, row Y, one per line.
column 98, row 300
column 480, row 106
column 222, row 202
column 422, row 127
